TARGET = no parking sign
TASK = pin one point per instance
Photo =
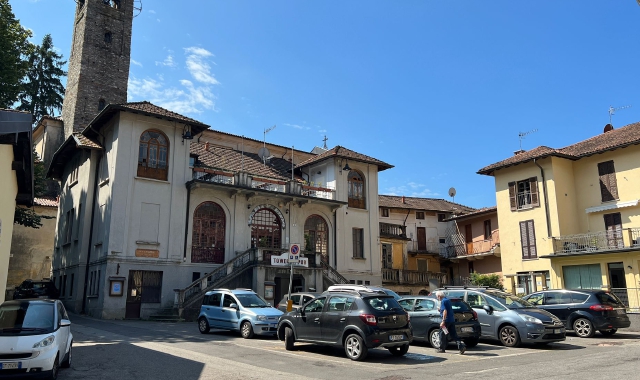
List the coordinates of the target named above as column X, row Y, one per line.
column 294, row 253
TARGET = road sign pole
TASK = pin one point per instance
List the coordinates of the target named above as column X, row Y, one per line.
column 289, row 301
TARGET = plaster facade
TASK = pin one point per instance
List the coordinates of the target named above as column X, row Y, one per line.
column 9, row 188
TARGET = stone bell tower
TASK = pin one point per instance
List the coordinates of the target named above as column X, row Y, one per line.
column 99, row 60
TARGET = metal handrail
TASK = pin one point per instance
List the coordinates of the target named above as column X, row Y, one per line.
column 333, row 274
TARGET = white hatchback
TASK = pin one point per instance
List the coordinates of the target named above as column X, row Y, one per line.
column 35, row 338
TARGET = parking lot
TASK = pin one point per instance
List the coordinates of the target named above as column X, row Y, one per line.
column 157, row 350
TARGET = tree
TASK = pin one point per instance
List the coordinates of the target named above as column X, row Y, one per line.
column 42, row 91
column 14, row 48
column 27, row 216
column 490, row 280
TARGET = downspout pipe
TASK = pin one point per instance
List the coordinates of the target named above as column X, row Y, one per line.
column 93, row 206
column 546, row 200
column 186, row 222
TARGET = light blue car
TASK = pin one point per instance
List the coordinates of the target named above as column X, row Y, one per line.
column 239, row 310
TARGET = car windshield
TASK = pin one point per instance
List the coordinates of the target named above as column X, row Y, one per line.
column 26, row 318
column 509, row 300
column 252, row 300
column 384, row 303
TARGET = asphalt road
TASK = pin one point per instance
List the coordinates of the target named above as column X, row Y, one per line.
column 143, row 350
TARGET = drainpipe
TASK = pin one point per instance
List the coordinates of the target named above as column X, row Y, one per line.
column 335, row 238
column 546, row 201
column 93, row 206
column 186, row 224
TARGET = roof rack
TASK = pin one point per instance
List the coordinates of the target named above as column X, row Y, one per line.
column 247, row 289
column 358, row 291
column 465, row 287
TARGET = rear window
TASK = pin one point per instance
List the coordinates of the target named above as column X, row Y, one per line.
column 460, row 306
column 383, row 303
column 579, row 297
column 609, row 299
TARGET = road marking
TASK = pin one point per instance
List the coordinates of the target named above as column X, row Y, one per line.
column 481, row 371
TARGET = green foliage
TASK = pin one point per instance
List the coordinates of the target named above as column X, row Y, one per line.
column 490, row 280
column 42, row 92
column 14, row 48
column 27, row 217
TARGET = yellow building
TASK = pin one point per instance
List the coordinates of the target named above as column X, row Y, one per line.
column 569, row 218
column 16, row 186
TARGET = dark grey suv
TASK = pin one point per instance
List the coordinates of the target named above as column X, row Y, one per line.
column 354, row 320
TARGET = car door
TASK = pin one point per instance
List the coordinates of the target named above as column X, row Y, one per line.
column 229, row 315
column 491, row 321
column 309, row 326
column 334, row 318
column 477, row 301
column 212, row 310
column 558, row 303
column 424, row 316
column 62, row 333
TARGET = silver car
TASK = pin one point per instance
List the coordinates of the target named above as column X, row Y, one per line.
column 509, row 318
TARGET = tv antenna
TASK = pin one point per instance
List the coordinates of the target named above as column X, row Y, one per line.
column 612, row 111
column 522, row 135
column 264, row 152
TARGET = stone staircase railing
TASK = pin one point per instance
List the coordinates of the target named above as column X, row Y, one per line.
column 186, row 297
column 332, row 275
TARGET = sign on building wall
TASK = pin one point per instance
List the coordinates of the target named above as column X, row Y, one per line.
column 147, row 253
column 283, row 260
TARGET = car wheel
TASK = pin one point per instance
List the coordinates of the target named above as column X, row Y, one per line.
column 434, row 338
column 354, row 347
column 288, row 338
column 509, row 336
column 399, row 350
column 583, row 328
column 246, row 330
column 608, row 332
column 203, row 325
column 66, row 363
column 471, row 342
column 54, row 369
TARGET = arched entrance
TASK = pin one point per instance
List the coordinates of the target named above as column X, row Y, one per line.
column 266, row 232
column 316, row 237
column 207, row 243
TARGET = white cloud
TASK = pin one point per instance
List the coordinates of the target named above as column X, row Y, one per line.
column 134, row 62
column 167, row 62
column 296, row 126
column 188, row 96
column 152, row 11
column 322, row 130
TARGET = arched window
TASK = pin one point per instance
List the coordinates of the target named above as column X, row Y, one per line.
column 266, row 232
column 108, row 37
column 357, row 197
column 101, row 104
column 153, row 155
column 207, row 242
column 316, row 237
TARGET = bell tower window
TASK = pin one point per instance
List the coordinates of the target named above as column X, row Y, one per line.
column 108, row 37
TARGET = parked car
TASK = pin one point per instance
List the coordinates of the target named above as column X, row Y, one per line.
column 355, row 320
column 425, row 319
column 584, row 311
column 298, row 299
column 239, row 310
column 35, row 338
column 366, row 288
column 36, row 289
column 509, row 318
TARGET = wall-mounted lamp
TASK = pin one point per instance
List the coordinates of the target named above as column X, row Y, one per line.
column 319, row 172
column 346, row 166
column 186, row 134
column 286, row 211
column 629, row 266
column 248, row 207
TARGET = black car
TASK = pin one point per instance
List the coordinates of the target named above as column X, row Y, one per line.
column 425, row 319
column 584, row 311
column 36, row 289
column 356, row 320
column 298, row 299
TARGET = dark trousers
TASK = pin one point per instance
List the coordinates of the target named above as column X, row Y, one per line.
column 453, row 335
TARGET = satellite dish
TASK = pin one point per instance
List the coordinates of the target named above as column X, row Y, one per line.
column 452, row 192
column 264, row 153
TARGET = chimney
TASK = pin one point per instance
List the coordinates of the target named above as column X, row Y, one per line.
column 206, row 146
column 608, row 128
column 517, row 152
column 403, row 199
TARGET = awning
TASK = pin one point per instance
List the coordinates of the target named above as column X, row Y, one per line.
column 612, row 206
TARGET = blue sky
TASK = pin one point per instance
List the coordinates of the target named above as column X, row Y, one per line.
column 437, row 88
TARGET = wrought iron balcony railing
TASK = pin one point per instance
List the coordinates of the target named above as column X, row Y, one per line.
column 393, row 230
column 410, row 277
column 600, row 241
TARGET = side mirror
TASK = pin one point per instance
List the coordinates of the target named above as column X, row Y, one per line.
column 234, row 306
column 65, row 323
column 488, row 309
column 301, row 311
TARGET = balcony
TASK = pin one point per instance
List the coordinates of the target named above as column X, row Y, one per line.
column 245, row 180
column 393, row 231
column 597, row 242
column 476, row 248
column 415, row 247
column 410, row 277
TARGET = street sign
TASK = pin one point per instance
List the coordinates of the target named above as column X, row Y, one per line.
column 294, row 253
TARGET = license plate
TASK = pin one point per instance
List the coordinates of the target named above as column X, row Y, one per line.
column 43, row 297
column 622, row 311
column 10, row 365
column 557, row 331
column 396, row 337
column 467, row 329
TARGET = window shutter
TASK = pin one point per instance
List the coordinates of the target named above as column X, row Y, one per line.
column 532, row 240
column 528, row 240
column 533, row 185
column 512, row 196
column 524, row 240
column 608, row 183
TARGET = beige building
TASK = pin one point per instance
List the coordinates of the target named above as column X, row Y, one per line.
column 569, row 217
column 16, row 186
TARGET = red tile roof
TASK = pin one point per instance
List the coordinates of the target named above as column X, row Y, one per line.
column 49, row 202
column 343, row 152
column 427, row 204
column 85, row 142
column 478, row 212
column 614, row 139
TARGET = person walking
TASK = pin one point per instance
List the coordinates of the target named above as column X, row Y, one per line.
column 447, row 324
